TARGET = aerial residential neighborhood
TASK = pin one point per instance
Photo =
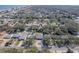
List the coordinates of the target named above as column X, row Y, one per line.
column 39, row 29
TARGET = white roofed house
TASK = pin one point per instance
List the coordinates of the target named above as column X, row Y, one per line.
column 7, row 36
column 78, row 34
column 24, row 35
column 20, row 36
column 15, row 36
column 38, row 36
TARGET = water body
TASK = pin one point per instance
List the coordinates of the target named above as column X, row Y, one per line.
column 5, row 7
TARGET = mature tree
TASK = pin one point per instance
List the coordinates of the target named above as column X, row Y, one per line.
column 46, row 42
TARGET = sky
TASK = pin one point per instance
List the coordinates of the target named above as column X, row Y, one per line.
column 39, row 2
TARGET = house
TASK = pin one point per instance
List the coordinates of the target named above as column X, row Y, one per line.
column 26, row 34
column 39, row 36
column 18, row 36
column 7, row 36
column 21, row 38
column 15, row 36
column 78, row 34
